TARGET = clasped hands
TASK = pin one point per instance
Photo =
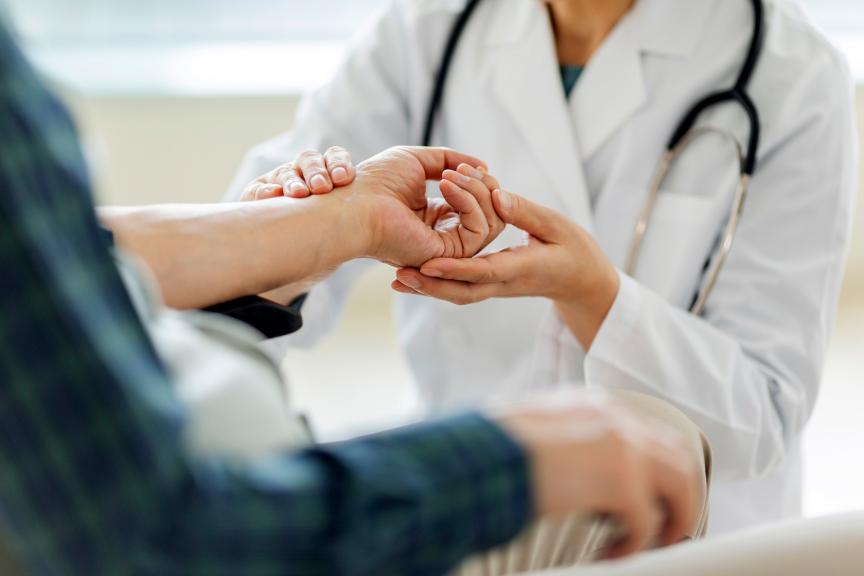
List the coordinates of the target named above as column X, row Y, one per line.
column 588, row 454
column 434, row 241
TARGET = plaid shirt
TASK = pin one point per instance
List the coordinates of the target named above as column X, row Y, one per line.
column 93, row 476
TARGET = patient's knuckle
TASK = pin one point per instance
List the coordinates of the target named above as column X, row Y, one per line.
column 308, row 156
column 337, row 152
column 283, row 172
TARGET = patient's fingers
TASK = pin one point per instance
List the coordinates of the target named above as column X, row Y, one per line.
column 313, row 169
column 675, row 475
column 474, row 181
column 639, row 518
column 473, row 229
column 436, row 160
column 663, row 509
column 340, row 166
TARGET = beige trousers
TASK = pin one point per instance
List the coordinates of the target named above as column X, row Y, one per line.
column 576, row 541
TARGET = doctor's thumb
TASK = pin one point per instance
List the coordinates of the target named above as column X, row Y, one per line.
column 536, row 220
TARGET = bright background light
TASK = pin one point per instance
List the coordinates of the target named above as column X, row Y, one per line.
column 201, row 47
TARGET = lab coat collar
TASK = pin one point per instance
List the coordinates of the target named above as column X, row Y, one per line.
column 612, row 88
column 670, row 27
column 526, row 80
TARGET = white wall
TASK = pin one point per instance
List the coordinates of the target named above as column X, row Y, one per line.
column 148, row 150
column 154, row 150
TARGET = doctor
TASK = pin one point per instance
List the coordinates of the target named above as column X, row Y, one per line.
column 572, row 104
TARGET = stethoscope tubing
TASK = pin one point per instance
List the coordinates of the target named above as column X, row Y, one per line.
column 681, row 137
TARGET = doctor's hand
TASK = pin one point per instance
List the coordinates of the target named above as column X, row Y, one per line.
column 590, row 456
column 560, row 261
column 310, row 173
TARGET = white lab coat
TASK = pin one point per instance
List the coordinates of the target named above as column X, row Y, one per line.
column 749, row 371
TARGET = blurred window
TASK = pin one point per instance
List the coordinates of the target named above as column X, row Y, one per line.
column 233, row 46
column 188, row 21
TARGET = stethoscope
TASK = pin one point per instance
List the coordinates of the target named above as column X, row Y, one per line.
column 683, row 136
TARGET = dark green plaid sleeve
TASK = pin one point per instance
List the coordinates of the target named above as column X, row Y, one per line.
column 93, row 476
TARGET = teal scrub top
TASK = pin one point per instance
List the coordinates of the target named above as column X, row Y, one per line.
column 570, row 76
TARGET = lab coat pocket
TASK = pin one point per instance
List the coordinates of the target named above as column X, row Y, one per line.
column 681, row 235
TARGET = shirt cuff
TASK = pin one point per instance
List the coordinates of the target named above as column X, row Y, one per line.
column 107, row 236
column 616, row 329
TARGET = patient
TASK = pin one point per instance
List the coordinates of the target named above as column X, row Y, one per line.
column 103, row 467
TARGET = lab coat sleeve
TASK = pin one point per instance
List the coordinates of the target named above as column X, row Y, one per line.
column 363, row 108
column 748, row 371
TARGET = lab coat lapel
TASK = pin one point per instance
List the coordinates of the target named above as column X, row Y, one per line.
column 611, row 90
column 525, row 79
column 613, row 87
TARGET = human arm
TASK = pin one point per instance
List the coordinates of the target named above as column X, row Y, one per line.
column 96, row 478
column 206, row 254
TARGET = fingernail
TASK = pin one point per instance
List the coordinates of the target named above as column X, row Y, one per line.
column 463, row 179
column 473, row 172
column 432, row 273
column 297, row 188
column 410, row 281
column 340, row 174
column 318, row 182
column 505, row 200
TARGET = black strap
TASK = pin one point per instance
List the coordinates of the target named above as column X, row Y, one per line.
column 444, row 71
column 270, row 318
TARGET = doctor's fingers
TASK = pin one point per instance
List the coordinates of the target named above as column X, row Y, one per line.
column 507, row 266
column 311, row 167
column 459, row 293
column 259, row 190
column 539, row 221
column 340, row 165
column 289, row 178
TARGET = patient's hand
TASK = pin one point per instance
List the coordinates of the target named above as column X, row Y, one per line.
column 406, row 228
column 590, row 456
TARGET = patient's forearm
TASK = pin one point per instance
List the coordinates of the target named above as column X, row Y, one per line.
column 208, row 254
